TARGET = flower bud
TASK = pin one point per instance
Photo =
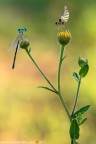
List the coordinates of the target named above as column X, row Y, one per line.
column 64, row 37
column 24, row 44
column 82, row 61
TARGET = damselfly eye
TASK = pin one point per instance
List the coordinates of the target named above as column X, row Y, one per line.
column 25, row 29
column 22, row 30
column 19, row 30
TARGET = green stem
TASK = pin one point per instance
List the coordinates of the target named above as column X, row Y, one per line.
column 54, row 90
column 73, row 141
column 59, row 68
column 76, row 99
column 59, row 87
column 40, row 70
column 65, row 106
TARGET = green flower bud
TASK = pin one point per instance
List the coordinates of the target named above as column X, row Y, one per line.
column 82, row 61
column 24, row 44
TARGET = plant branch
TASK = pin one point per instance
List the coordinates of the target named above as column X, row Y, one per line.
column 44, row 87
column 40, row 70
column 77, row 94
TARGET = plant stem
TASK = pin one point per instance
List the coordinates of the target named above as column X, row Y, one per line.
column 77, row 94
column 59, row 67
column 59, row 87
column 73, row 141
column 65, row 106
column 40, row 70
column 54, row 90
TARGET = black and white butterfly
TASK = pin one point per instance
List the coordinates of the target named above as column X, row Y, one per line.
column 64, row 17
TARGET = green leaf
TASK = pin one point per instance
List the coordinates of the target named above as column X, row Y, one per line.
column 74, row 129
column 84, row 70
column 63, row 58
column 44, row 87
column 81, row 111
column 83, row 121
column 79, row 118
column 75, row 75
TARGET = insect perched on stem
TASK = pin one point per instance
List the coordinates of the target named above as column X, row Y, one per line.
column 16, row 43
column 63, row 18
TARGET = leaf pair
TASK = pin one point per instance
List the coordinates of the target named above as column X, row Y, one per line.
column 84, row 68
column 78, row 115
column 76, row 122
column 74, row 131
column 81, row 111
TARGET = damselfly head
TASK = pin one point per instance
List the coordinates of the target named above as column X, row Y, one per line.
column 64, row 17
column 22, row 30
column 18, row 39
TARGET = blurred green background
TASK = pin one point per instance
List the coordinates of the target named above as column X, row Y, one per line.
column 26, row 112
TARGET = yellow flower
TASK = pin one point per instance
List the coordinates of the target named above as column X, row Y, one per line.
column 64, row 37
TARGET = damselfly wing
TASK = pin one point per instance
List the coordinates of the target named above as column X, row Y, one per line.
column 64, row 17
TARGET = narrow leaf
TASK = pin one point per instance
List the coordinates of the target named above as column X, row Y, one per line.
column 83, row 121
column 47, row 89
column 81, row 111
column 74, row 129
column 63, row 58
column 75, row 75
column 84, row 70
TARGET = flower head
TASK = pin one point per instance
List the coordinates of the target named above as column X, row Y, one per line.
column 64, row 37
column 82, row 62
column 24, row 44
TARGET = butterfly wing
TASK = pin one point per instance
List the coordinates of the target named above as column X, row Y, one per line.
column 65, row 15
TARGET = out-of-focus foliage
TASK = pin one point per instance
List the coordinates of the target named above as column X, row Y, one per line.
column 28, row 113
